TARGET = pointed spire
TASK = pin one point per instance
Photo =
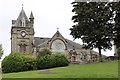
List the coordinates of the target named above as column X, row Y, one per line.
column 31, row 19
column 22, row 15
column 22, row 19
column 31, row 15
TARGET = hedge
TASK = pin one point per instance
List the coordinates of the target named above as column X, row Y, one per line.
column 51, row 61
column 44, row 52
column 16, row 62
column 29, row 63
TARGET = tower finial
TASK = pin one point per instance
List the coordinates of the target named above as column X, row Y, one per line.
column 22, row 6
column 57, row 28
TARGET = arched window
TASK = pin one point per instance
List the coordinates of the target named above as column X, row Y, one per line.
column 22, row 48
column 20, row 23
column 23, row 22
column 58, row 46
column 26, row 23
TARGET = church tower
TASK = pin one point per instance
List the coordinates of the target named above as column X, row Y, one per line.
column 22, row 33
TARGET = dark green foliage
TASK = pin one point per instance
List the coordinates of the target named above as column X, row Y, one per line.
column 116, row 27
column 60, row 60
column 17, row 62
column 12, row 63
column 97, row 24
column 51, row 61
column 29, row 63
column 44, row 52
column 93, row 25
column 118, row 51
column 43, row 62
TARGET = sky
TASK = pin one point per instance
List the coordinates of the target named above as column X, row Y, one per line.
column 48, row 14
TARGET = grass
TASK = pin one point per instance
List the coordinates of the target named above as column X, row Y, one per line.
column 93, row 70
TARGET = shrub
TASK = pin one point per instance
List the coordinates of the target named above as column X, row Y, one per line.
column 60, row 60
column 51, row 61
column 17, row 62
column 29, row 63
column 12, row 63
column 44, row 52
column 43, row 62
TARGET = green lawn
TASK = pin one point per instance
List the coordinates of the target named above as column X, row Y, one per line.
column 93, row 70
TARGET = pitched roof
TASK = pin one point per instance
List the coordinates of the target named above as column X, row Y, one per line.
column 72, row 44
column 21, row 16
column 58, row 34
column 41, row 41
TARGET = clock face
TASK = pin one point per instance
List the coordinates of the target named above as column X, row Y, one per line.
column 23, row 33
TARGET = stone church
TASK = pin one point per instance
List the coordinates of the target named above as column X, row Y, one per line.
column 23, row 40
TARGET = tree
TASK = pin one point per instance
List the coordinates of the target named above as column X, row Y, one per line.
column 1, row 51
column 93, row 25
column 118, row 51
column 116, row 27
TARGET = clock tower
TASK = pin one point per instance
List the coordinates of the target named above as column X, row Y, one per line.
column 22, row 33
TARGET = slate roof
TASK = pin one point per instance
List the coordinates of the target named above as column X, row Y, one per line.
column 20, row 18
column 41, row 41
column 72, row 44
column 22, row 15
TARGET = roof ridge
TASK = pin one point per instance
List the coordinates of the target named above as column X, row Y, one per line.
column 42, row 37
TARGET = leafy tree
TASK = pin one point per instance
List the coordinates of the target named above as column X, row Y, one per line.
column 93, row 25
column 1, row 51
column 118, row 51
column 116, row 27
